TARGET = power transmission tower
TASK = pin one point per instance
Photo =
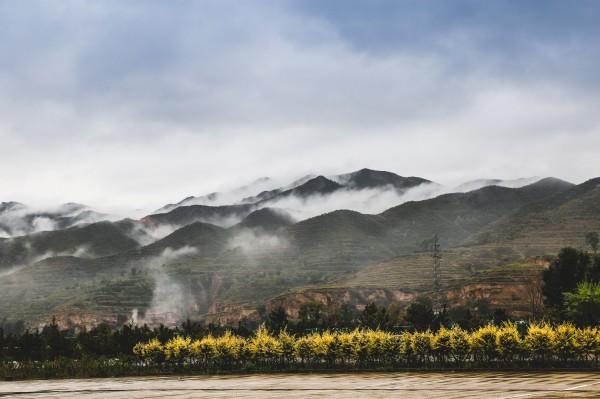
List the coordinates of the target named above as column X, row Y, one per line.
column 437, row 257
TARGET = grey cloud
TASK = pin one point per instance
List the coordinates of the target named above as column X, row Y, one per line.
column 130, row 103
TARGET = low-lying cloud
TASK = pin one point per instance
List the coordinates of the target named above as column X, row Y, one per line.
column 372, row 200
column 18, row 219
column 377, row 200
column 171, row 301
column 254, row 241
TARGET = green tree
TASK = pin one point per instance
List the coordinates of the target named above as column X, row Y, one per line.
column 420, row 313
column 583, row 305
column 374, row 317
column 98, row 341
column 462, row 316
column 593, row 274
column 277, row 319
column 565, row 272
column 190, row 328
column 500, row 316
column 592, row 240
column 347, row 315
column 343, row 316
column 57, row 343
column 310, row 314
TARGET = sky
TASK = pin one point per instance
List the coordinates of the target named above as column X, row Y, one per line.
column 136, row 104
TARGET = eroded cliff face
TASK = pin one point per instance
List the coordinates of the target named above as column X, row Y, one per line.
column 514, row 297
column 78, row 321
column 231, row 314
column 333, row 298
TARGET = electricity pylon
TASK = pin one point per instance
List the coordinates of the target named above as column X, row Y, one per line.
column 436, row 287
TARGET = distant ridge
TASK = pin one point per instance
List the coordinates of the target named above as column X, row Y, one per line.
column 491, row 237
column 368, row 178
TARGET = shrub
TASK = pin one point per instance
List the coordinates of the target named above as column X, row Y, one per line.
column 421, row 345
column 229, row 348
column 151, row 351
column 348, row 346
column 177, row 349
column 405, row 347
column 538, row 341
column 589, row 342
column 442, row 344
column 322, row 346
column 484, row 342
column 287, row 345
column 459, row 344
column 542, row 344
column 508, row 341
column 302, row 348
column 263, row 347
column 204, row 349
column 564, row 341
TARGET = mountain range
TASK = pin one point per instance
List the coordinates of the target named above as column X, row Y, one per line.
column 290, row 244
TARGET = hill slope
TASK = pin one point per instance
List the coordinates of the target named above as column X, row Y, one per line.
column 267, row 219
column 226, row 215
column 94, row 240
column 368, row 178
column 487, row 235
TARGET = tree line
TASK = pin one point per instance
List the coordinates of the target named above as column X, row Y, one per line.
column 570, row 292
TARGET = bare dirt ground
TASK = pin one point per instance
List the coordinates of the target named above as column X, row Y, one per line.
column 320, row 385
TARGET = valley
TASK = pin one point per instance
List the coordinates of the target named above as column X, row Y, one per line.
column 225, row 263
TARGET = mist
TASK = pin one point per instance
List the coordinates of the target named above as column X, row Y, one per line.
column 377, row 200
column 229, row 196
column 252, row 242
column 17, row 219
column 171, row 302
column 365, row 201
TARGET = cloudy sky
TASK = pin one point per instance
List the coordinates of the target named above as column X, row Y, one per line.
column 139, row 103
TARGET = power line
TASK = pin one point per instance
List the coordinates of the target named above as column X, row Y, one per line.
column 436, row 286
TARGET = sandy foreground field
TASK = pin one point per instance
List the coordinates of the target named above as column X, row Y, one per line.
column 358, row 385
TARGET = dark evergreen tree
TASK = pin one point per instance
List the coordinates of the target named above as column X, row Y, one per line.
column 346, row 316
column 310, row 315
column 592, row 240
column 277, row 319
column 420, row 313
column 374, row 317
column 565, row 272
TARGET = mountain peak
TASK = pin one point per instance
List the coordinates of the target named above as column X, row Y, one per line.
column 369, row 178
column 267, row 219
column 554, row 181
column 317, row 185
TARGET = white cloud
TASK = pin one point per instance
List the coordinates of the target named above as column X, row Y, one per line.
column 252, row 242
column 130, row 105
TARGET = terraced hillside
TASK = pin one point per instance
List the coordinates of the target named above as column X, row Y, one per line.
column 541, row 226
column 492, row 237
